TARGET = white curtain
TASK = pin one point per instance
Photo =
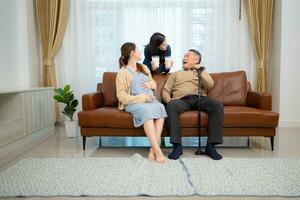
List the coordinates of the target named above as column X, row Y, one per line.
column 98, row 28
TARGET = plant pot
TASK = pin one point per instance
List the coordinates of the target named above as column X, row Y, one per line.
column 71, row 129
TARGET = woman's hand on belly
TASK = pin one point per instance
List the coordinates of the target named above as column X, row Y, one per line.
column 149, row 99
column 146, row 85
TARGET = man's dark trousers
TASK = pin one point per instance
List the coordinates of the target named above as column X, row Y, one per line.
column 212, row 107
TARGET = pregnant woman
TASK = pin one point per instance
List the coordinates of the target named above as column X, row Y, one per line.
column 135, row 87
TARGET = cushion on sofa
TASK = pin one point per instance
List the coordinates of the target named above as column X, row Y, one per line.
column 230, row 88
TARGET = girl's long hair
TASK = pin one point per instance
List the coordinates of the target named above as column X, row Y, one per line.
column 155, row 41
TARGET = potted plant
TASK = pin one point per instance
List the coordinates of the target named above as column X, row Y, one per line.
column 66, row 96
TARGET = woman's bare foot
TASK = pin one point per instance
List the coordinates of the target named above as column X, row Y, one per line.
column 151, row 155
column 159, row 156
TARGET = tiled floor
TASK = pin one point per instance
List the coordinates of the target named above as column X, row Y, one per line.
column 286, row 145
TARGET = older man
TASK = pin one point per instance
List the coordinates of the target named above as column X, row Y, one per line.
column 181, row 94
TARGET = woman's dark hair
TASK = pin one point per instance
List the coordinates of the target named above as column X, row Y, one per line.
column 155, row 41
column 125, row 55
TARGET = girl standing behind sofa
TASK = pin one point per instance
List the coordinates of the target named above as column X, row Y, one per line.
column 158, row 54
column 134, row 86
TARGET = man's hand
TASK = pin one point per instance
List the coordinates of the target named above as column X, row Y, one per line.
column 198, row 66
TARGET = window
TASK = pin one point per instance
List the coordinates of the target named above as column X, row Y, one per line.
column 185, row 23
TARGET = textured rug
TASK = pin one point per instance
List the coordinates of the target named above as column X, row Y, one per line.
column 137, row 176
column 94, row 177
column 245, row 176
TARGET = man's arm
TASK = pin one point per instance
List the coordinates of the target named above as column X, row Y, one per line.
column 207, row 80
column 167, row 90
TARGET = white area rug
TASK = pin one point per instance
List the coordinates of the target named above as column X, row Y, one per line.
column 137, row 176
column 245, row 176
column 94, row 177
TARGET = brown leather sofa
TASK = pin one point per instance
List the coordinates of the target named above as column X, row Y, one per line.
column 246, row 113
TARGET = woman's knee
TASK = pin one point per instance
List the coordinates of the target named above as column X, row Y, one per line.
column 159, row 119
column 148, row 122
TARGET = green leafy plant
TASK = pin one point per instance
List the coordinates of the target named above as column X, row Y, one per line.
column 66, row 96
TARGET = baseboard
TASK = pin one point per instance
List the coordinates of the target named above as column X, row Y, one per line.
column 289, row 123
column 11, row 151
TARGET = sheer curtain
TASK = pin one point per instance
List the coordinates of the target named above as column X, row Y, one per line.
column 98, row 28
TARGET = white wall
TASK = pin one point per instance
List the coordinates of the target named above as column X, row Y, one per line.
column 285, row 62
column 19, row 49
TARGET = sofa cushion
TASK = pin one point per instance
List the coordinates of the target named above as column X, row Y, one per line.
column 109, row 117
column 243, row 116
column 234, row 116
column 230, row 88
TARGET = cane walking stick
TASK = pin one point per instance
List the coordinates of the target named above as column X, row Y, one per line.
column 199, row 151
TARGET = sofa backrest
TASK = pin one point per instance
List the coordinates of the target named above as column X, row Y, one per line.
column 230, row 88
column 109, row 89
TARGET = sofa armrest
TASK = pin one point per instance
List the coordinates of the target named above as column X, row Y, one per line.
column 92, row 101
column 259, row 100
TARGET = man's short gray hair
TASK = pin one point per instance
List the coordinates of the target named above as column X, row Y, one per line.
column 197, row 53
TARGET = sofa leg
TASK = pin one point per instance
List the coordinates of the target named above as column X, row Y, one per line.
column 83, row 142
column 248, row 142
column 272, row 142
column 100, row 142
